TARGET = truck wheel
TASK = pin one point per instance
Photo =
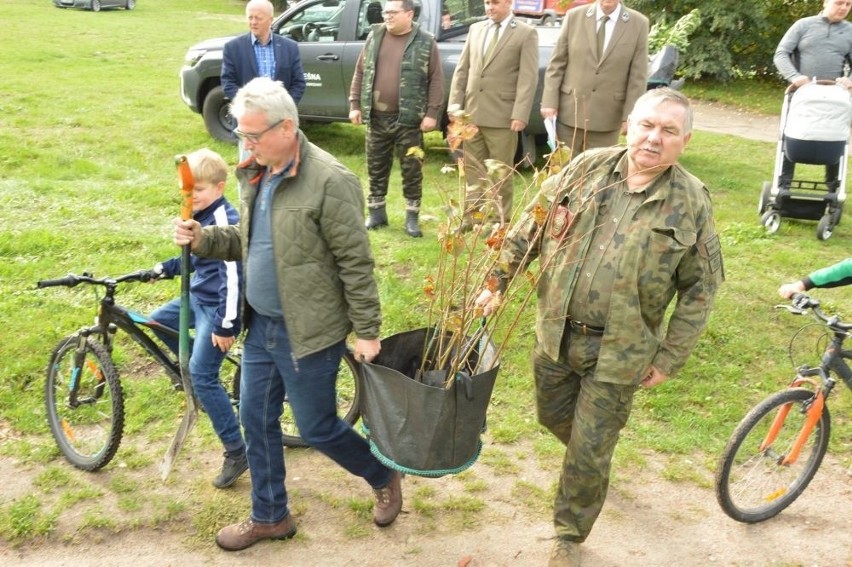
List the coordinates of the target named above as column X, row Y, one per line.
column 217, row 118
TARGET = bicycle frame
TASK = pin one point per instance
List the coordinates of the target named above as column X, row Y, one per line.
column 112, row 317
column 833, row 359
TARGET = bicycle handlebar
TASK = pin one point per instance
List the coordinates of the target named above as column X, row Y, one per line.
column 802, row 302
column 72, row 280
column 68, row 281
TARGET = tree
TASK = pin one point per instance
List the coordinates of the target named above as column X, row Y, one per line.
column 734, row 38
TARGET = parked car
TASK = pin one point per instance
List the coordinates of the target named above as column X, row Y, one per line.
column 95, row 5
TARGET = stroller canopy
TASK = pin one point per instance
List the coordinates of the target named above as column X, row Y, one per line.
column 819, row 113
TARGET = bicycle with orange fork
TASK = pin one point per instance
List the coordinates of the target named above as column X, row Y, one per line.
column 779, row 445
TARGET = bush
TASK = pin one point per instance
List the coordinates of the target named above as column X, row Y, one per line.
column 735, row 39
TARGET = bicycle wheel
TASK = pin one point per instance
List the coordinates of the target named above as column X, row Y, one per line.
column 87, row 421
column 348, row 401
column 751, row 484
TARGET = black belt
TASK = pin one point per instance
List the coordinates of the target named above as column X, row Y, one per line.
column 583, row 329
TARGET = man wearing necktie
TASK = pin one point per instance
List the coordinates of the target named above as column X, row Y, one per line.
column 494, row 82
column 597, row 71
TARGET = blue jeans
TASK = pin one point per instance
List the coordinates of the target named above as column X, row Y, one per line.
column 204, row 364
column 269, row 370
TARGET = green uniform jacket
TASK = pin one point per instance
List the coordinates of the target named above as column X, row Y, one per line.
column 323, row 263
column 671, row 249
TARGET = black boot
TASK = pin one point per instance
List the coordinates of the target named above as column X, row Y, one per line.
column 378, row 217
column 411, row 227
column 412, row 215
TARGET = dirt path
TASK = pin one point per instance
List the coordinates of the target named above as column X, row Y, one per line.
column 647, row 521
column 721, row 119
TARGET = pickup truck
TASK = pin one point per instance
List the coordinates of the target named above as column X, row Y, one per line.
column 331, row 34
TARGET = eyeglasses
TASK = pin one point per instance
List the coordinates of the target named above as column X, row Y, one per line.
column 255, row 137
column 393, row 12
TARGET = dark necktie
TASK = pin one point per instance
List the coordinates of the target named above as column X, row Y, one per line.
column 602, row 36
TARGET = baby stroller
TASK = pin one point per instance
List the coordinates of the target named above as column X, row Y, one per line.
column 815, row 122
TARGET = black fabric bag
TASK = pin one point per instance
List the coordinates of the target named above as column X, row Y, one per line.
column 424, row 424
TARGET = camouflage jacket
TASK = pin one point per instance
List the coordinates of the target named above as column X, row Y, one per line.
column 413, row 76
column 670, row 250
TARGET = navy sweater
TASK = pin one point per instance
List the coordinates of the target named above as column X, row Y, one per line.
column 215, row 282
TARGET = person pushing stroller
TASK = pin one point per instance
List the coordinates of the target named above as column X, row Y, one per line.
column 817, row 47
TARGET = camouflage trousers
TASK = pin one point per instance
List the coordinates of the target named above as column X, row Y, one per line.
column 587, row 416
column 385, row 138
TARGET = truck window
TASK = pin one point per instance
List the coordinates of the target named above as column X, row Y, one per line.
column 315, row 23
column 457, row 15
column 370, row 13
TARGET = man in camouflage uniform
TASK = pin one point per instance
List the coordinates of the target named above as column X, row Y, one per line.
column 627, row 231
column 397, row 91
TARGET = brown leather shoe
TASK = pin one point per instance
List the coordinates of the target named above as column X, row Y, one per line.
column 388, row 501
column 565, row 553
column 240, row 536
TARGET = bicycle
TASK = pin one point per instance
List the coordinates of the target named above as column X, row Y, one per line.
column 779, row 445
column 83, row 391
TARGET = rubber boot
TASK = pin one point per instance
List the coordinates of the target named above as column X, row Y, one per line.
column 378, row 216
column 412, row 215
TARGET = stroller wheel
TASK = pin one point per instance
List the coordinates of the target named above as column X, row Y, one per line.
column 825, row 227
column 771, row 220
column 837, row 214
column 764, row 197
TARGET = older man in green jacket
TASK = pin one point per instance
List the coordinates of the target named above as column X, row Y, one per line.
column 627, row 231
column 309, row 283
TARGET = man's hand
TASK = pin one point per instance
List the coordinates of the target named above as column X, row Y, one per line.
column 489, row 301
column 366, row 350
column 222, row 343
column 355, row 117
column 517, row 125
column 428, row 124
column 788, row 289
column 548, row 113
column 844, row 82
column 188, row 232
column 654, row 378
column 800, row 80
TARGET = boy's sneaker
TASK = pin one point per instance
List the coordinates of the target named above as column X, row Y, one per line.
column 232, row 469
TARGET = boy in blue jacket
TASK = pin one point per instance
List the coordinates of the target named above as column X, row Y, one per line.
column 215, row 316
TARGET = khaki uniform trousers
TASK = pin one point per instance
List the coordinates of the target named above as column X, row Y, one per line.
column 489, row 143
column 580, row 140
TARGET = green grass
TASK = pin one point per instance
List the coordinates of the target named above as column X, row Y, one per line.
column 90, row 120
column 764, row 96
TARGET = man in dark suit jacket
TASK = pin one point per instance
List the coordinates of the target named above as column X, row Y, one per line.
column 591, row 94
column 496, row 86
column 260, row 53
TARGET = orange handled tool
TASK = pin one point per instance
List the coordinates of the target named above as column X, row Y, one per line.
column 186, row 182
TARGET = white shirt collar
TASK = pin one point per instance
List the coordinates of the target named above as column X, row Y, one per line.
column 503, row 23
column 612, row 17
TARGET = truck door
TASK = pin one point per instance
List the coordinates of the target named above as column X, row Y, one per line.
column 316, row 26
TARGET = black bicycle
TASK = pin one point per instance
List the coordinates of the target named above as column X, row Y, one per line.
column 83, row 393
column 779, row 445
